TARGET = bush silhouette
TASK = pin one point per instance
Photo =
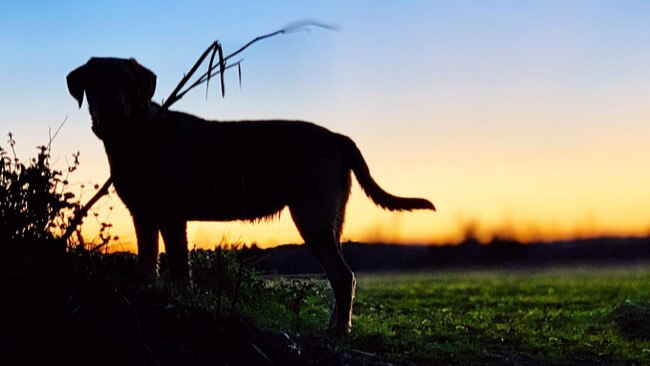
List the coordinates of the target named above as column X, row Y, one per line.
column 34, row 203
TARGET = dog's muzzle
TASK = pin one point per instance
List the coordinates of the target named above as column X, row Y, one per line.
column 96, row 125
column 97, row 131
column 108, row 114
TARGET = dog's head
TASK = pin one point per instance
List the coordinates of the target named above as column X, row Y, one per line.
column 116, row 90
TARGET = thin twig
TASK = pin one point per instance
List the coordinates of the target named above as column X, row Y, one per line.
column 83, row 211
column 292, row 28
column 207, row 84
column 52, row 137
column 239, row 74
column 208, row 73
column 199, row 82
column 171, row 100
column 222, row 70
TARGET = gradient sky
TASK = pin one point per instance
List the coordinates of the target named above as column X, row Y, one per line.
column 523, row 118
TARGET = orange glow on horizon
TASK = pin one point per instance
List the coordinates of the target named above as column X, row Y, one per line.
column 368, row 223
column 533, row 185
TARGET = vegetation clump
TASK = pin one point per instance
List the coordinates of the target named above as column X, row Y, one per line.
column 34, row 201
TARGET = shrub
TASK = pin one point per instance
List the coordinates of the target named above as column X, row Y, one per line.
column 34, row 203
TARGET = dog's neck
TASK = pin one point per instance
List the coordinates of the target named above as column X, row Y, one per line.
column 133, row 140
column 145, row 117
column 139, row 122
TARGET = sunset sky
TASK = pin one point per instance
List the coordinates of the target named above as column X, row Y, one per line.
column 523, row 118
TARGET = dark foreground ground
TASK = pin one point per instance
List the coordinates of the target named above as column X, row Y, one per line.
column 82, row 308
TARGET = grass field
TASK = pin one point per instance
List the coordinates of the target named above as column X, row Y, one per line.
column 563, row 316
column 566, row 316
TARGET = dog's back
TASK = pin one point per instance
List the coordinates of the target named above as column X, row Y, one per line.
column 245, row 169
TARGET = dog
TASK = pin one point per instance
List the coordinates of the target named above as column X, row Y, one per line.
column 170, row 167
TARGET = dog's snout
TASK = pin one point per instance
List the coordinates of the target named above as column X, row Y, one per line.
column 95, row 116
column 97, row 130
column 107, row 113
column 105, row 110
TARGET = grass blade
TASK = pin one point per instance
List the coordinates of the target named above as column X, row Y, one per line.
column 222, row 68
column 239, row 73
column 207, row 83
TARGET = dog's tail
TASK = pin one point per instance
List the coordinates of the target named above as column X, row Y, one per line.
column 357, row 163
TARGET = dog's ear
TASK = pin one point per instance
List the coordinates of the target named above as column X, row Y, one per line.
column 77, row 83
column 146, row 80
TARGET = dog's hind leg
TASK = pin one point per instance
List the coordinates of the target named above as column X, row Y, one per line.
column 146, row 230
column 174, row 233
column 343, row 196
column 342, row 202
column 320, row 235
column 338, row 231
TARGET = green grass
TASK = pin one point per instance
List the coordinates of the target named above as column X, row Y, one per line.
column 568, row 316
column 500, row 317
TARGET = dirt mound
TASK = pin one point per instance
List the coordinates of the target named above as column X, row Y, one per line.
column 633, row 319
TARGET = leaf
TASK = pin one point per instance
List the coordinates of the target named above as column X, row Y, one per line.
column 239, row 73
column 222, row 69
column 207, row 83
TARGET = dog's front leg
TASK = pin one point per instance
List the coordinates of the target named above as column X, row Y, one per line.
column 174, row 233
column 146, row 230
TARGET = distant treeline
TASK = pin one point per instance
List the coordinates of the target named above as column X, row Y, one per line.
column 296, row 259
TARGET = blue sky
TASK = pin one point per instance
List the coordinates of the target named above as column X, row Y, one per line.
column 528, row 116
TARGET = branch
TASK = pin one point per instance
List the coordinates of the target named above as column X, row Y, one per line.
column 172, row 97
column 52, row 137
column 201, row 81
column 83, row 211
column 291, row 28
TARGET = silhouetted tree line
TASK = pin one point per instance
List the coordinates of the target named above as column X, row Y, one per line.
column 295, row 259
